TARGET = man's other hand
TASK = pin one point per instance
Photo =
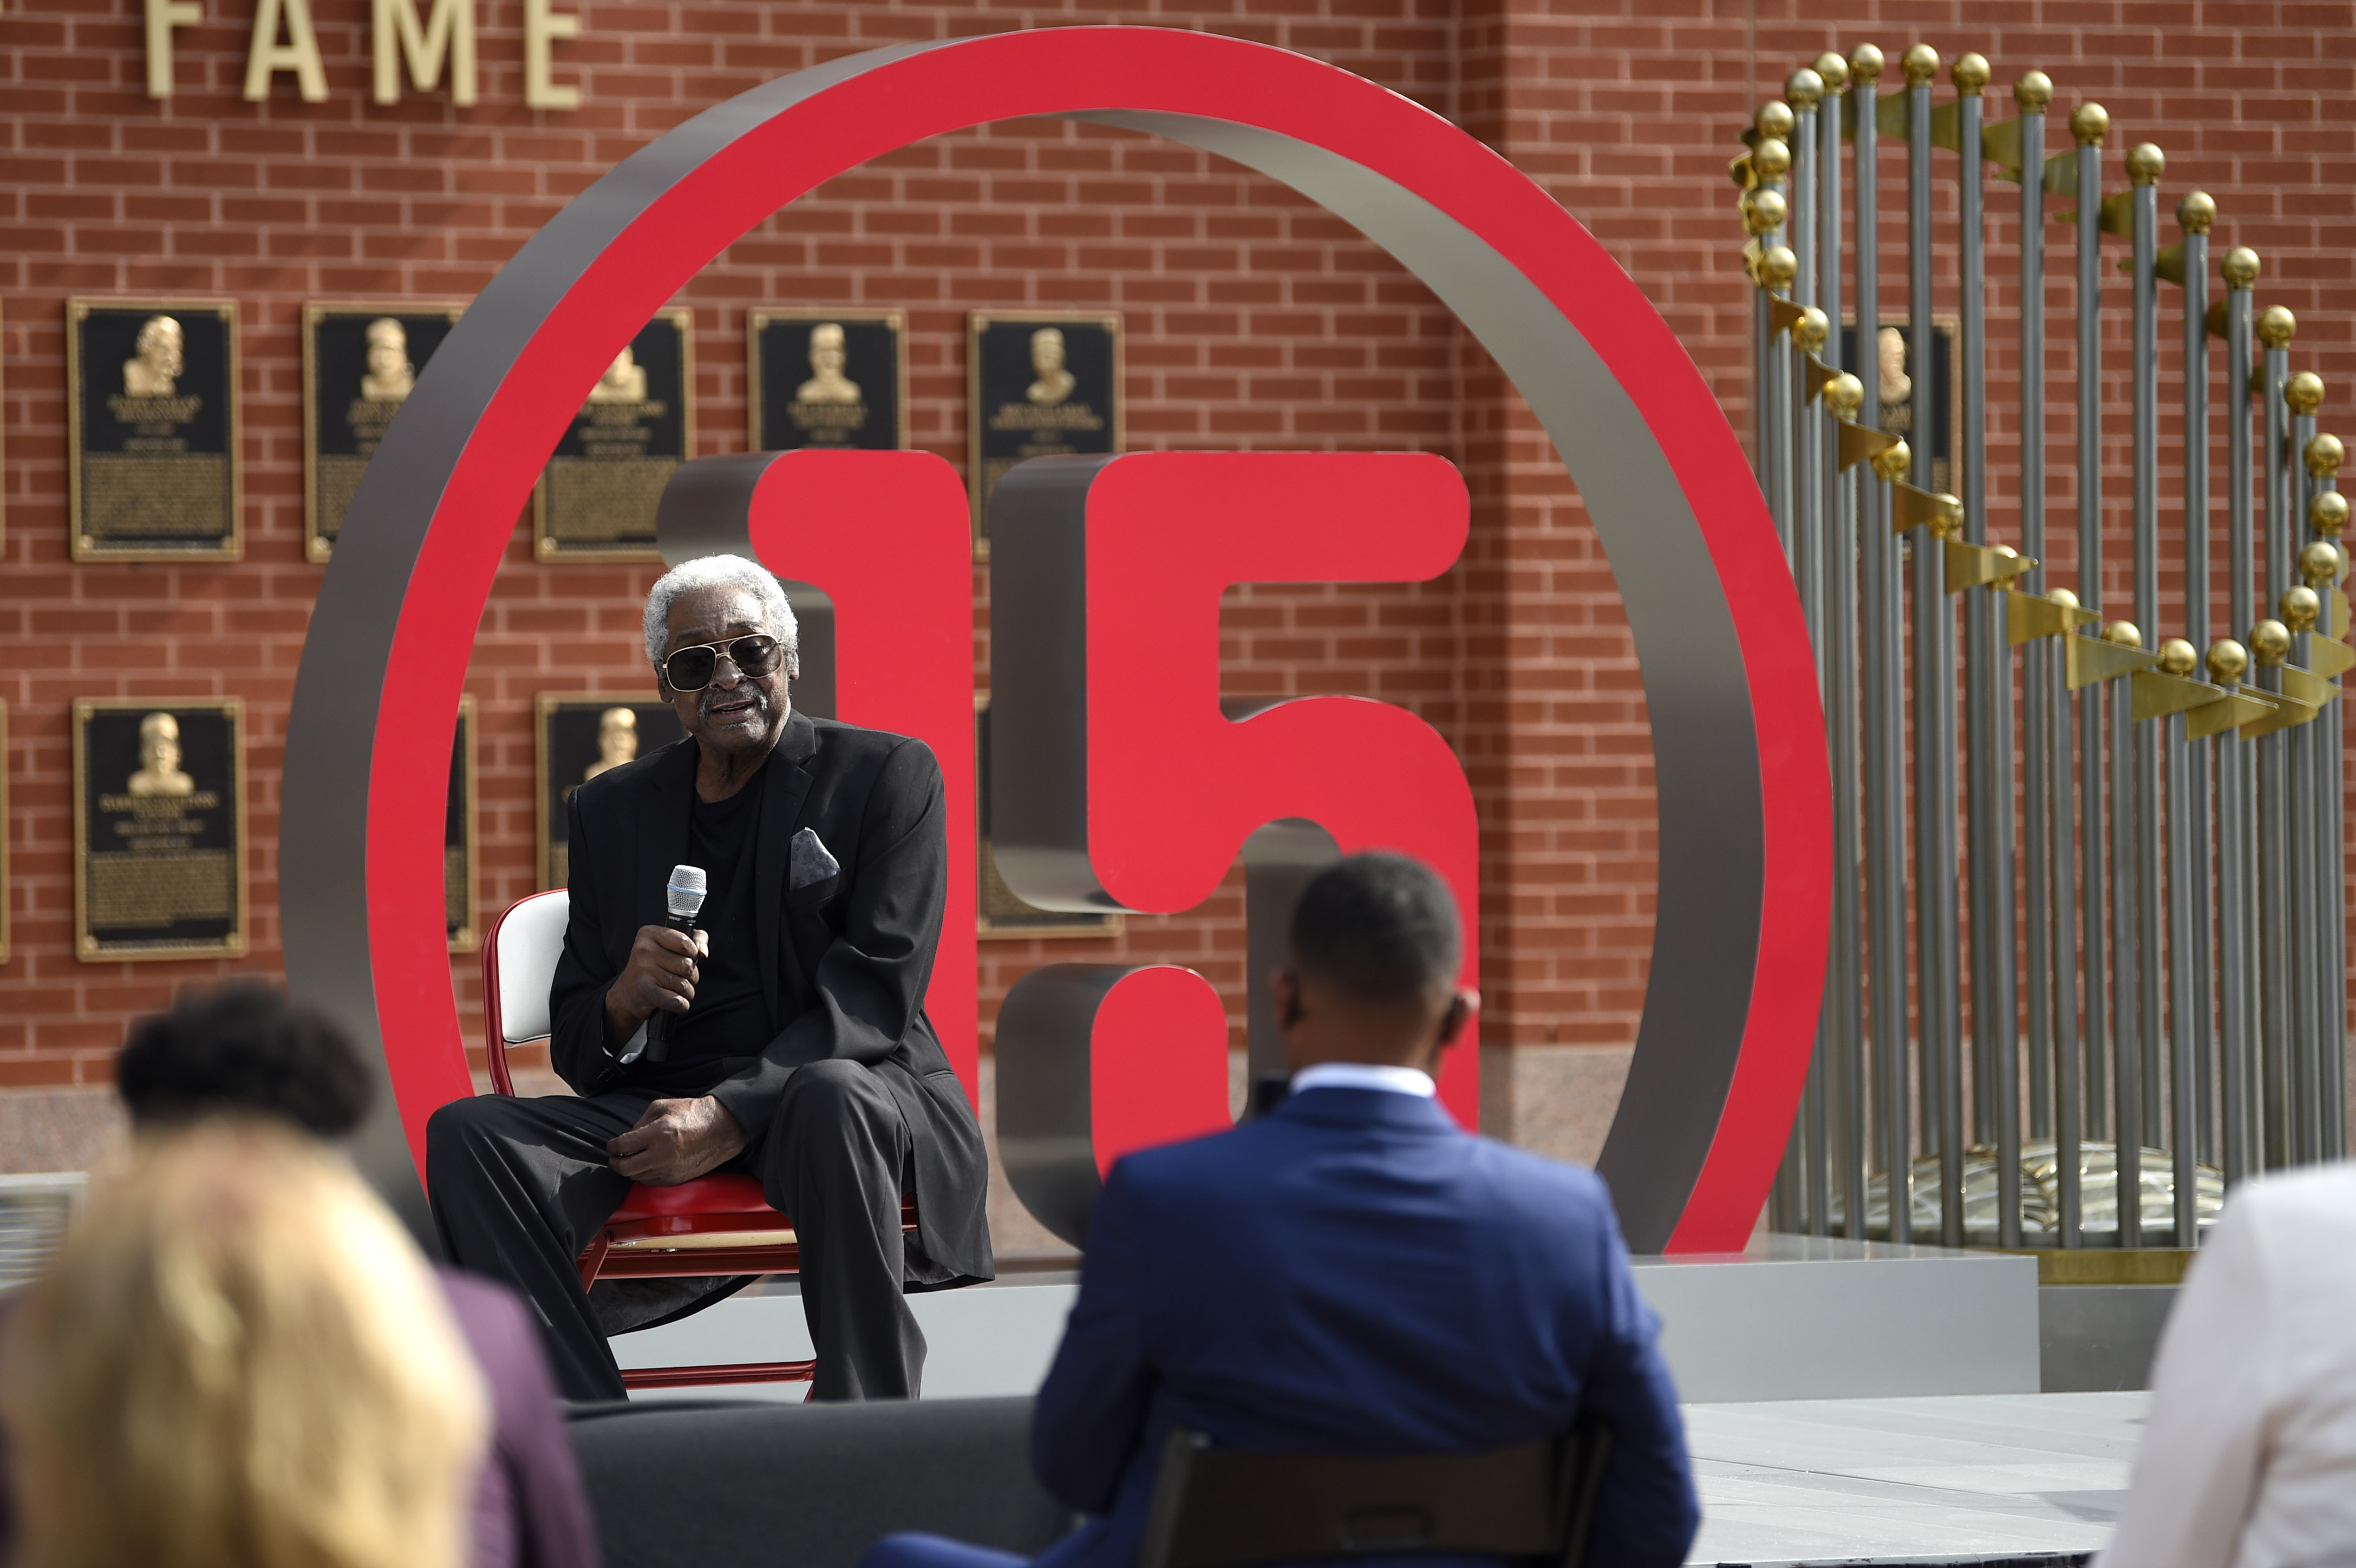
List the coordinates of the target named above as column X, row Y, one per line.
column 661, row 974
column 676, row 1141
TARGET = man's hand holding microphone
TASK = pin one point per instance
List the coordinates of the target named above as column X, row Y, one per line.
column 675, row 1140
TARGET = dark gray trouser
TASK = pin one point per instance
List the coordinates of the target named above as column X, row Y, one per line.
column 521, row 1187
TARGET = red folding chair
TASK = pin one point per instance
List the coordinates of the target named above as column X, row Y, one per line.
column 714, row 1225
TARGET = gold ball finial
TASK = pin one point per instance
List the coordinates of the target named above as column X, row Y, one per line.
column 1771, row 158
column 2328, row 513
column 2146, row 164
column 1774, row 119
column 1777, row 267
column 2034, row 92
column 2061, row 596
column 1832, row 71
column 2122, row 632
column 1948, row 520
column 2319, row 564
column 2324, row 456
column 2090, row 122
column 1970, row 74
column 2304, row 392
column 2298, row 607
column 1764, row 209
column 2240, row 267
column 1920, row 63
column 1811, row 331
column 2228, row 661
column 1892, row 461
column 1844, row 394
column 2194, row 214
column 2177, row 656
column 1865, row 64
column 2270, row 640
column 2276, row 326
column 1804, row 89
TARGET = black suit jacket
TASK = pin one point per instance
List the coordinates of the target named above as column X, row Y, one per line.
column 850, row 955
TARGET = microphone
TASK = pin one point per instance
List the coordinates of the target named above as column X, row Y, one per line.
column 684, row 898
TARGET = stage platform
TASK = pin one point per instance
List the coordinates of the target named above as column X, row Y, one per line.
column 1793, row 1317
column 2010, row 1480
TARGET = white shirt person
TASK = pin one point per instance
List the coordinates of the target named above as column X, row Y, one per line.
column 2249, row 1457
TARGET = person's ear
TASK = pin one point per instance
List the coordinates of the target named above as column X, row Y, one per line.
column 1285, row 986
column 1461, row 1009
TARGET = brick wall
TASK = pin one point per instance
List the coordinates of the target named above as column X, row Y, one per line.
column 1254, row 320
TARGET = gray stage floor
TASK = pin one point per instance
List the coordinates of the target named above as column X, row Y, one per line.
column 1959, row 1479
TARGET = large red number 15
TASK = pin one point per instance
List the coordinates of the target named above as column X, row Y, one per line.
column 1120, row 780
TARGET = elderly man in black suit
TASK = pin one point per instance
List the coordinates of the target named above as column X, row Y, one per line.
column 793, row 1044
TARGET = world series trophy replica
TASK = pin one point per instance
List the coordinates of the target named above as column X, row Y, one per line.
column 2139, row 986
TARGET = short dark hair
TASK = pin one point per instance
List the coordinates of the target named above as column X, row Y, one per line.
column 1381, row 928
column 244, row 1047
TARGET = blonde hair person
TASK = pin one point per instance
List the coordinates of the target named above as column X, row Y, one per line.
column 238, row 1360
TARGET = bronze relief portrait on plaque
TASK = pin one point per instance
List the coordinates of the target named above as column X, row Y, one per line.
column 159, row 829
column 361, row 362
column 151, row 406
column 579, row 737
column 1915, row 397
column 1039, row 384
column 598, row 496
column 835, row 379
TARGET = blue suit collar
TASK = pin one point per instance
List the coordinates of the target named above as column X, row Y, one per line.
column 1339, row 1107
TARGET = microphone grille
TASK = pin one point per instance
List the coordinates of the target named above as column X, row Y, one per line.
column 684, row 893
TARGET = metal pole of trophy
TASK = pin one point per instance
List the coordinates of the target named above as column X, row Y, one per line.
column 2030, row 95
column 1841, row 603
column 1937, row 937
column 2228, row 661
column 2275, row 326
column 2326, row 515
column 2145, row 165
column 2302, row 395
column 2319, row 564
column 2194, row 214
column 2297, row 609
column 2178, row 657
column 1987, row 665
column 1801, row 92
column 2240, row 270
column 1885, row 771
column 2088, row 125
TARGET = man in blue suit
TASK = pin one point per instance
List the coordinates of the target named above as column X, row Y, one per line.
column 1350, row 1272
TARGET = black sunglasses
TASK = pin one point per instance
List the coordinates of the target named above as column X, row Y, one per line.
column 692, row 669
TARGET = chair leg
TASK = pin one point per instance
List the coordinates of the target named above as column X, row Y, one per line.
column 594, row 1258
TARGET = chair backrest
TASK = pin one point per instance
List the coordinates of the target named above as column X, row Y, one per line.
column 518, row 963
column 1221, row 1507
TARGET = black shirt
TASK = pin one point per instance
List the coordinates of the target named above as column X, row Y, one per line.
column 729, row 1015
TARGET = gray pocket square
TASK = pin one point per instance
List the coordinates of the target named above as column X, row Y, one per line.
column 811, row 860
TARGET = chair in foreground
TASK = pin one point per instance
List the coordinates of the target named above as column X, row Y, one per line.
column 717, row 1225
column 1215, row 1508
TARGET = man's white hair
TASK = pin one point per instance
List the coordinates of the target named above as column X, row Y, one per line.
column 722, row 571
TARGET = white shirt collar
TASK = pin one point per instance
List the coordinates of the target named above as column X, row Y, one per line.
column 1363, row 1075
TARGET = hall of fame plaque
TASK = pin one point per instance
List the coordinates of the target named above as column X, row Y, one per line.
column 359, row 364
column 151, row 430
column 1901, row 383
column 596, row 498
column 159, row 828
column 997, row 912
column 580, row 737
column 836, row 379
column 458, row 877
column 1038, row 384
